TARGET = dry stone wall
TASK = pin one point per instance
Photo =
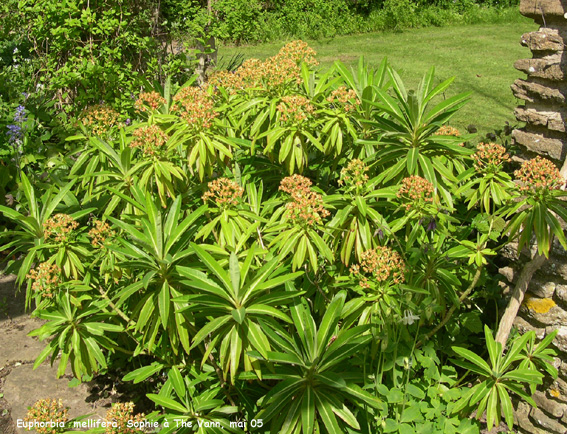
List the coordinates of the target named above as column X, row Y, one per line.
column 545, row 114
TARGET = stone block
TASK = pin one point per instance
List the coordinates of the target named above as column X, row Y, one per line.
column 560, row 341
column 524, row 326
column 532, row 91
column 547, row 8
column 539, row 418
column 522, row 417
column 550, row 68
column 543, row 310
column 509, row 273
column 542, row 288
column 550, row 119
column 544, row 39
column 552, row 148
column 558, row 389
column 553, row 408
column 561, row 293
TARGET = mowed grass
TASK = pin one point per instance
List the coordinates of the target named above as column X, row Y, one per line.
column 480, row 57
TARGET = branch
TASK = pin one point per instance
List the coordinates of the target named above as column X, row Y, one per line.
column 224, row 385
column 121, row 314
column 452, row 309
column 517, row 298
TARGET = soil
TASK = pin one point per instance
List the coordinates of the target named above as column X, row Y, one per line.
column 21, row 385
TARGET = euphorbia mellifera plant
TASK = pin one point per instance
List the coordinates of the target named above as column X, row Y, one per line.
column 299, row 220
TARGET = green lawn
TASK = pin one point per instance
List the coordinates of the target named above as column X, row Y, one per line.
column 481, row 57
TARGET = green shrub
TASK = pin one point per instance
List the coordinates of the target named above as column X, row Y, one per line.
column 288, row 249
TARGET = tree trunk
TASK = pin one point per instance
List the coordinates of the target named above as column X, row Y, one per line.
column 206, row 57
column 206, row 50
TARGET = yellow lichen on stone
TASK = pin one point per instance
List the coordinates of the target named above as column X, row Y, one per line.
column 539, row 305
column 555, row 393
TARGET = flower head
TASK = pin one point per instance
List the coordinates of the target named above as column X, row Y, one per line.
column 298, row 51
column 16, row 131
column 381, row 264
column 149, row 101
column 489, row 157
column 48, row 412
column 306, row 206
column 353, row 174
column 447, row 130
column 195, row 106
column 278, row 71
column 293, row 184
column 345, row 97
column 20, row 114
column 59, row 227
column 224, row 192
column 409, row 318
column 119, row 415
column 416, row 190
column 295, row 108
column 15, row 134
column 151, row 139
column 274, row 72
column 45, row 279
column 100, row 233
column 99, row 119
column 432, row 225
column 539, row 174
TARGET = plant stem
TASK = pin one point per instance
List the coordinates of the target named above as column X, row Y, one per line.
column 218, row 371
column 409, row 370
column 452, row 309
column 122, row 315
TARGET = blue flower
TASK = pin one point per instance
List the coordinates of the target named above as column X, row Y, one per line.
column 20, row 116
column 15, row 133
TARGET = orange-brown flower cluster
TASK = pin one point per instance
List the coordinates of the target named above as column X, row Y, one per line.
column 119, row 415
column 447, row 130
column 346, row 97
column 353, row 174
column 380, row 264
column 489, row 156
column 275, row 71
column 539, row 174
column 47, row 411
column 100, row 233
column 294, row 183
column 298, row 51
column 60, row 226
column 45, row 279
column 295, row 108
column 151, row 139
column 195, row 106
column 306, row 206
column 99, row 119
column 232, row 81
column 148, row 101
column 415, row 189
column 223, row 192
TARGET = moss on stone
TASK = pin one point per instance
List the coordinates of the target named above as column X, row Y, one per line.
column 539, row 305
